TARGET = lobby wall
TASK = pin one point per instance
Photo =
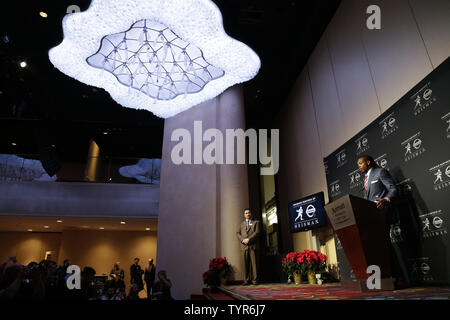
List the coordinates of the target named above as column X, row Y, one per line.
column 353, row 75
column 28, row 246
column 100, row 249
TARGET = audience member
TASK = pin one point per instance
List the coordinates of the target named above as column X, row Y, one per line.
column 22, row 283
column 47, row 280
column 12, row 277
column 120, row 294
column 4, row 264
column 161, row 288
column 117, row 275
column 65, row 265
column 134, row 292
column 88, row 291
column 110, row 291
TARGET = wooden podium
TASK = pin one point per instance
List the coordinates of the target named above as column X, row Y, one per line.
column 361, row 229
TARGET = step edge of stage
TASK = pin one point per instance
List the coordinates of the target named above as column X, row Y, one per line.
column 235, row 295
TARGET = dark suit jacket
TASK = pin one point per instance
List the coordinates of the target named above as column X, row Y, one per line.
column 252, row 234
column 149, row 275
column 136, row 275
column 380, row 185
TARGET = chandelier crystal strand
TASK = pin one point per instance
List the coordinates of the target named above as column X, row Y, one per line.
column 150, row 58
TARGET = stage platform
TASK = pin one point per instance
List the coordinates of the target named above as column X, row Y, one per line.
column 330, row 291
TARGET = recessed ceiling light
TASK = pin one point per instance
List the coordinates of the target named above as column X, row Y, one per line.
column 46, row 227
column 13, row 144
column 43, row 14
column 23, row 64
column 30, row 230
column 59, row 221
column 122, row 222
column 105, row 132
column 148, row 229
column 101, row 228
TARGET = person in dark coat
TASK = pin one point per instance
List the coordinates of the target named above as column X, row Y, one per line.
column 136, row 274
column 379, row 186
column 149, row 277
column 161, row 288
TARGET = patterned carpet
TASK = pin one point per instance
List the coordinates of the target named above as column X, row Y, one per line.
column 333, row 291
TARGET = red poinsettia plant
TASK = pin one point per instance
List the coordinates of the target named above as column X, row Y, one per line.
column 291, row 263
column 219, row 269
column 304, row 262
column 314, row 261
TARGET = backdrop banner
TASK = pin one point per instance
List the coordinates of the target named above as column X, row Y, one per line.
column 411, row 140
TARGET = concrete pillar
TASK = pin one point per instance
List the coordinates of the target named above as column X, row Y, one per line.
column 233, row 182
column 200, row 205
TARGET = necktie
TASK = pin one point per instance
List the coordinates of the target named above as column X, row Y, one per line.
column 248, row 225
column 366, row 179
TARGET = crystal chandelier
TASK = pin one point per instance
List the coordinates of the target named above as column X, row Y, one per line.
column 164, row 56
column 152, row 59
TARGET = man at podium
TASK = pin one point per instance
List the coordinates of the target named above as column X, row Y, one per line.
column 379, row 187
column 378, row 183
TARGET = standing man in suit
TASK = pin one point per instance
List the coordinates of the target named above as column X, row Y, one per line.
column 149, row 277
column 380, row 188
column 378, row 183
column 248, row 235
column 136, row 274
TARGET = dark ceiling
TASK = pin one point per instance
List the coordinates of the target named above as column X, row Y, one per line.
column 40, row 106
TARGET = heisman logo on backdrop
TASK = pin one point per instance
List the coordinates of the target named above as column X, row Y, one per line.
column 362, row 144
column 335, row 189
column 306, row 214
column 421, row 269
column 382, row 161
column 441, row 175
column 423, row 99
column 413, row 147
column 341, row 157
column 433, row 224
column 446, row 119
column 388, row 125
column 355, row 179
